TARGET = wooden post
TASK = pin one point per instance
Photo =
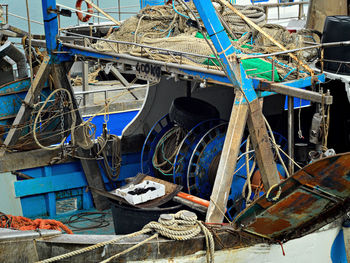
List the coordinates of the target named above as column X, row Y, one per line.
column 31, row 97
column 262, row 145
column 228, row 160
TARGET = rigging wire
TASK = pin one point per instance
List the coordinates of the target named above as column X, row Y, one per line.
column 30, row 43
column 25, row 18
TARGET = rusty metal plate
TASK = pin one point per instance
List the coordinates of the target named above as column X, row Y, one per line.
column 311, row 198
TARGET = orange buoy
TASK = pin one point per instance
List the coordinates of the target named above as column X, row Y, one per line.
column 80, row 15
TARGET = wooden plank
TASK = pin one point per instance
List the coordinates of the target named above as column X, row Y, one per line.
column 251, row 23
column 228, row 160
column 90, row 167
column 49, row 184
column 31, row 97
column 262, row 145
column 318, row 10
column 94, row 178
column 26, row 160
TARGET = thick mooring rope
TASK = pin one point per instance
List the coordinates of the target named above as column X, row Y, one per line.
column 180, row 226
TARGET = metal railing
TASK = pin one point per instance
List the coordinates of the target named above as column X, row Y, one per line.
column 83, row 94
column 279, row 5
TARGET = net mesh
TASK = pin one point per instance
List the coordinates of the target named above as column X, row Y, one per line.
column 168, row 27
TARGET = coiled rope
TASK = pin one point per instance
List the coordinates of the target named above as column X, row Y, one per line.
column 166, row 150
column 180, row 226
column 74, row 118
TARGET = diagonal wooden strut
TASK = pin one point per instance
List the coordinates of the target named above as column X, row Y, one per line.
column 228, row 160
column 31, row 97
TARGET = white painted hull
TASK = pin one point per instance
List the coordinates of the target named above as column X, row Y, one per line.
column 315, row 247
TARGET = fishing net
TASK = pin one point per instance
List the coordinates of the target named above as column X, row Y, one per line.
column 173, row 27
column 168, row 27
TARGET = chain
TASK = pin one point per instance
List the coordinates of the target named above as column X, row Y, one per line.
column 62, row 98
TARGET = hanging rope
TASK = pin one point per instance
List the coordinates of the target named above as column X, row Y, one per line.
column 112, row 171
column 250, row 172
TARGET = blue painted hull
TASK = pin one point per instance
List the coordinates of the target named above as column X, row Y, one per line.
column 42, row 196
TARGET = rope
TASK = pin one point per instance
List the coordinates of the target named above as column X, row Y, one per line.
column 180, row 226
column 166, row 150
column 277, row 147
column 112, row 171
column 80, row 11
column 274, row 199
column 72, row 125
column 249, row 173
column 25, row 18
column 111, row 100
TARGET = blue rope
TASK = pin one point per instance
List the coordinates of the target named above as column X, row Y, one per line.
column 288, row 74
column 179, row 12
column 170, row 31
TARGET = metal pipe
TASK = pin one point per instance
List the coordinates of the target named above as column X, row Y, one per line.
column 283, row 4
column 138, row 45
column 145, row 60
column 8, row 49
column 109, row 90
column 119, row 16
column 291, row 134
column 80, row 11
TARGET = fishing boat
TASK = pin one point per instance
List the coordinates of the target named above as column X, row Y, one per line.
column 279, row 195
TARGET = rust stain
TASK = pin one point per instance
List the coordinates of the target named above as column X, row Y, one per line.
column 268, row 226
column 296, row 203
column 286, row 185
column 298, row 206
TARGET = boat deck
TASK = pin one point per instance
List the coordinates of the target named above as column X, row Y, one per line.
column 90, row 222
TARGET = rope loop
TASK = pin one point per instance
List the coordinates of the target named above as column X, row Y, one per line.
column 278, row 194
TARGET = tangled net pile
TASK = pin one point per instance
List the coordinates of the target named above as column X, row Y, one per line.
column 164, row 27
column 169, row 27
column 23, row 223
